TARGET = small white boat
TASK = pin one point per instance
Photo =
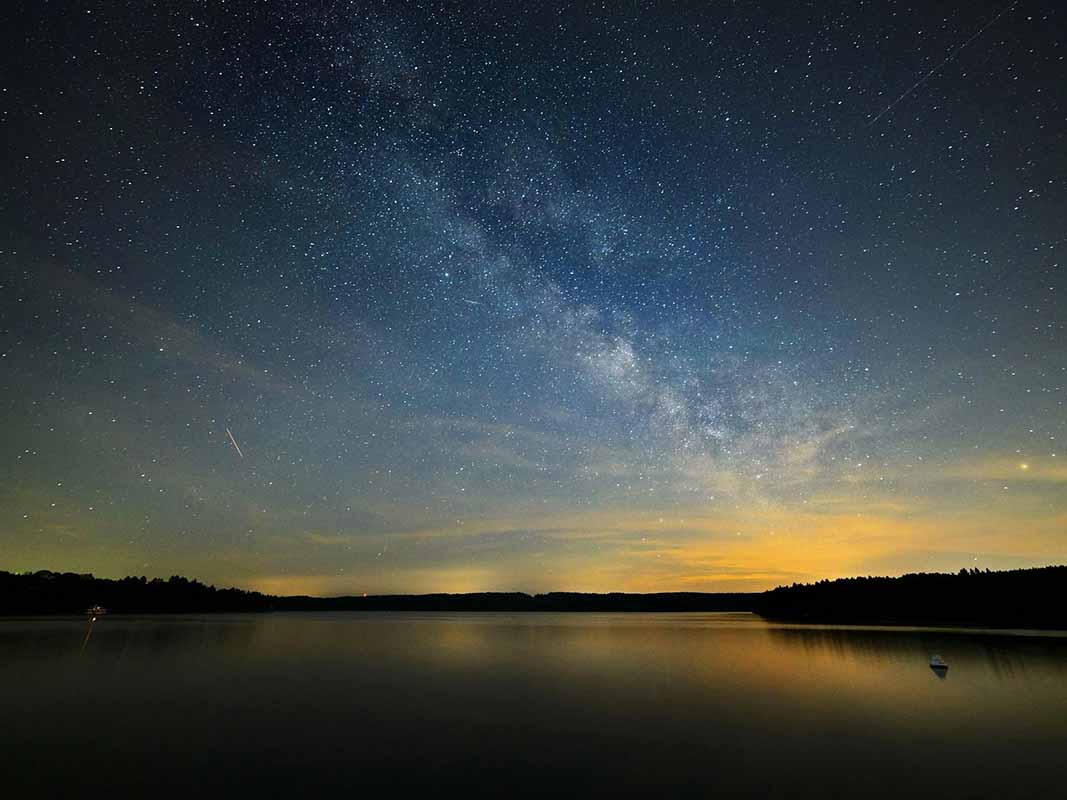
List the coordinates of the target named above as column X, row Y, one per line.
column 96, row 611
column 936, row 662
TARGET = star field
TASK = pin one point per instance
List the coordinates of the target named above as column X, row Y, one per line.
column 544, row 296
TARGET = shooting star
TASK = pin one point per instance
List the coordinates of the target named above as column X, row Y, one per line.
column 952, row 54
column 473, row 302
column 236, row 446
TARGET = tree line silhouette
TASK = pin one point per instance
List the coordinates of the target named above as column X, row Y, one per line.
column 47, row 592
column 1015, row 598
column 1032, row 598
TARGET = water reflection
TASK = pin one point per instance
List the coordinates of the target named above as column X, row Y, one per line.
column 88, row 633
column 1000, row 656
column 661, row 704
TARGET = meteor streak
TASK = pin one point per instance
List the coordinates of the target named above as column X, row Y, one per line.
column 952, row 54
column 236, row 446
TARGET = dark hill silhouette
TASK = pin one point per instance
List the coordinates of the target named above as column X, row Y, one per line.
column 1027, row 598
column 517, row 601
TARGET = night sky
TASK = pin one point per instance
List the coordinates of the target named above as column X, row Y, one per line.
column 633, row 296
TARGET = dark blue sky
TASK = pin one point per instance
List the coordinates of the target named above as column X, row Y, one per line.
column 539, row 296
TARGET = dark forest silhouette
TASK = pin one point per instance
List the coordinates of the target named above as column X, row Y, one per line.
column 1016, row 598
column 1032, row 598
column 48, row 592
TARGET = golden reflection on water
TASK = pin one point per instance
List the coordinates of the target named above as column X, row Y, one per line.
column 646, row 700
column 672, row 658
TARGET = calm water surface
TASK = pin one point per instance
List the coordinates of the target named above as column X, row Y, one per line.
column 658, row 704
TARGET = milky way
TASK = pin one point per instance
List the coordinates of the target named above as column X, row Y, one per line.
column 617, row 296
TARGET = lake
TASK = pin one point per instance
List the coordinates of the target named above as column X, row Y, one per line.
column 659, row 704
